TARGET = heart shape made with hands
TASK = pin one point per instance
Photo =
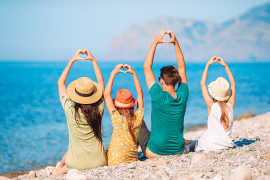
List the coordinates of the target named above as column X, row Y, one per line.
column 167, row 38
column 124, row 67
column 217, row 59
column 83, row 54
column 171, row 37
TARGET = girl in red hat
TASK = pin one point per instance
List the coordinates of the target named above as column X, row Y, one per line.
column 125, row 121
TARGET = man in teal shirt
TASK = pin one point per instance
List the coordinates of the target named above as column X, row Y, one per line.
column 168, row 106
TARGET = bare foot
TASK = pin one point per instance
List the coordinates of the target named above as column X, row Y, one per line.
column 49, row 170
column 55, row 171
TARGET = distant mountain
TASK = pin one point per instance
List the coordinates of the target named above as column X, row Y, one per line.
column 244, row 38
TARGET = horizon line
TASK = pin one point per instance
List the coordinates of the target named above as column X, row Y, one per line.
column 132, row 61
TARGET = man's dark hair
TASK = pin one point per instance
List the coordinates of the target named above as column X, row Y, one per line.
column 170, row 75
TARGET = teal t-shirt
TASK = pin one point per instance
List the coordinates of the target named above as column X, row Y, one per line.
column 167, row 120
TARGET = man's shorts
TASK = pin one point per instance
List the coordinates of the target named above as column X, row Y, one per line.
column 144, row 137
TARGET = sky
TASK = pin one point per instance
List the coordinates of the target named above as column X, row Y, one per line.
column 54, row 30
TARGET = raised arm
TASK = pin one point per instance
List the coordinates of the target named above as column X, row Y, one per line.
column 149, row 75
column 108, row 89
column 208, row 100
column 179, row 57
column 231, row 79
column 137, row 86
column 61, row 82
column 96, row 69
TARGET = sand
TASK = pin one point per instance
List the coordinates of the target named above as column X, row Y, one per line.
column 250, row 160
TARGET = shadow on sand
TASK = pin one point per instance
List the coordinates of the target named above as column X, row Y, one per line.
column 243, row 141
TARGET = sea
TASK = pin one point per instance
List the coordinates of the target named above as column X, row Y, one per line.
column 33, row 127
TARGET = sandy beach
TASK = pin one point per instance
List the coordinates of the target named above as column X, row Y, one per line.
column 250, row 160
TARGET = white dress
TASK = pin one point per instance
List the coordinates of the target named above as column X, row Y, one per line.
column 215, row 137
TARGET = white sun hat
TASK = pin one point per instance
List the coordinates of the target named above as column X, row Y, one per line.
column 220, row 89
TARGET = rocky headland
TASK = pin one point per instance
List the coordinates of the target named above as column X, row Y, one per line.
column 243, row 38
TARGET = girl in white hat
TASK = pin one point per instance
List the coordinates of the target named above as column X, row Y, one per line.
column 84, row 119
column 220, row 111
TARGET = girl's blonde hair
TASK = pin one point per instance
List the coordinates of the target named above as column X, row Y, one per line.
column 224, row 119
column 130, row 117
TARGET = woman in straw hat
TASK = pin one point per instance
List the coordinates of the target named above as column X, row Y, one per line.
column 220, row 111
column 84, row 118
column 126, row 122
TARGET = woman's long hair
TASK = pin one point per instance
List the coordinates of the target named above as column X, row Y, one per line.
column 93, row 117
column 130, row 117
column 224, row 119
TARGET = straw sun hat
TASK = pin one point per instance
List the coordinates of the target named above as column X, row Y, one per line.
column 220, row 89
column 84, row 91
column 124, row 99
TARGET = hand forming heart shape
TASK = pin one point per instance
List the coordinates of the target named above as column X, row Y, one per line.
column 89, row 55
column 120, row 68
column 159, row 38
column 124, row 67
column 218, row 60
column 84, row 55
column 172, row 36
column 76, row 56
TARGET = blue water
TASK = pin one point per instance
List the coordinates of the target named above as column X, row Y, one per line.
column 33, row 129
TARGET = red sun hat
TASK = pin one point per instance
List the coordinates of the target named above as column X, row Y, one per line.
column 124, row 99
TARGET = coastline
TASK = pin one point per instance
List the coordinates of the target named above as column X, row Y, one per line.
column 18, row 173
column 252, row 135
